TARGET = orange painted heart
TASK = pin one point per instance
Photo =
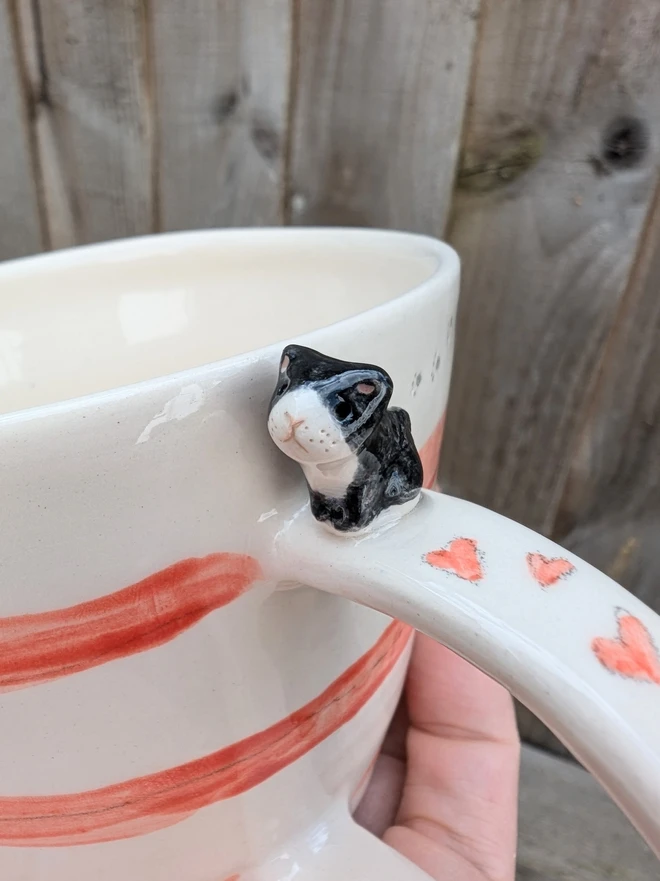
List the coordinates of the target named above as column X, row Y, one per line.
column 461, row 557
column 548, row 570
column 632, row 654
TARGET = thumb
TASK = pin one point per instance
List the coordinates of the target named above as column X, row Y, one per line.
column 457, row 817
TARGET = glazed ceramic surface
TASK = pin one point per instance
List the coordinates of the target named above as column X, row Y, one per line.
column 177, row 703
column 166, row 714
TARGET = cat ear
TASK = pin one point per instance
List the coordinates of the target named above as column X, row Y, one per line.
column 371, row 388
column 371, row 382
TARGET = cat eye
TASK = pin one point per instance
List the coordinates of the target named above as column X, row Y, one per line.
column 282, row 388
column 343, row 411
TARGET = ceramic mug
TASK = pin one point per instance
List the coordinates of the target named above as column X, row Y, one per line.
column 178, row 699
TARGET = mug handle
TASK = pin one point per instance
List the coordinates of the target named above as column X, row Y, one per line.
column 572, row 645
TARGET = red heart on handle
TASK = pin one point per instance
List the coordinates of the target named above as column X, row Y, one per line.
column 548, row 570
column 632, row 654
column 460, row 557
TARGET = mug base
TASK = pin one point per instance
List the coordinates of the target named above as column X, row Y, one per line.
column 336, row 849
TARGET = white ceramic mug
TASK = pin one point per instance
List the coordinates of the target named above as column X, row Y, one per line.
column 174, row 706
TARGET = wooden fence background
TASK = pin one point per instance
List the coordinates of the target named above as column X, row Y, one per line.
column 524, row 131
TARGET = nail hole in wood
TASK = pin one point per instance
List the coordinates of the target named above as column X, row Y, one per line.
column 625, row 142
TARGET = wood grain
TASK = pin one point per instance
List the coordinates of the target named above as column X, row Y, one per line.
column 380, row 90
column 569, row 829
column 610, row 511
column 92, row 111
column 20, row 231
column 559, row 159
column 222, row 85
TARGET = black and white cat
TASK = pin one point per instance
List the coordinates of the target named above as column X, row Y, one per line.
column 358, row 457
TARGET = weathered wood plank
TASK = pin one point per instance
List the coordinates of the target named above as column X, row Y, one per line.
column 90, row 92
column 20, row 231
column 610, row 512
column 380, row 92
column 559, row 161
column 569, row 830
column 222, row 85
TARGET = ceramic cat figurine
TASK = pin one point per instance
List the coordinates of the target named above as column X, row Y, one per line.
column 358, row 457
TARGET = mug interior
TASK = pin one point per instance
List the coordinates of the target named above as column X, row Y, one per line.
column 94, row 318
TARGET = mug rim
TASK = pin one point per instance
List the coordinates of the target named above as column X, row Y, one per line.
column 446, row 271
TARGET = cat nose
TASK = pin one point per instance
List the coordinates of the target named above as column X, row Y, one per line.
column 288, row 427
column 294, row 422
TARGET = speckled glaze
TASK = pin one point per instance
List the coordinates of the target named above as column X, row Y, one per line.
column 176, row 702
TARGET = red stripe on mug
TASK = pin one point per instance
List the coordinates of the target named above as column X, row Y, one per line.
column 44, row 646
column 143, row 804
column 430, row 454
column 48, row 645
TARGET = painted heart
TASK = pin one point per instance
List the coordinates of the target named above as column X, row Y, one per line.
column 632, row 654
column 548, row 570
column 461, row 557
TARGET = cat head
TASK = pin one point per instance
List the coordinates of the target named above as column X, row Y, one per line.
column 324, row 410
